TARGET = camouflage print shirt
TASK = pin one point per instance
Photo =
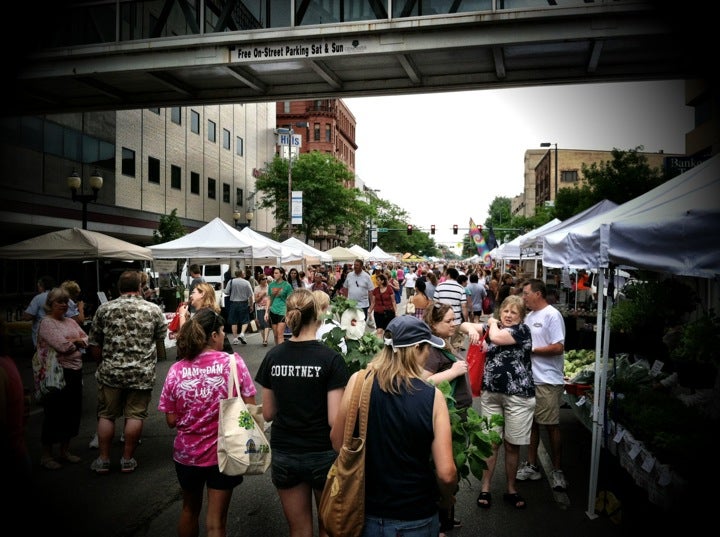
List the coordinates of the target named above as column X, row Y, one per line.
column 126, row 329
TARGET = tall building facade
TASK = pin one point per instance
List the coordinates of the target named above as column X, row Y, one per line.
column 200, row 161
column 330, row 128
column 540, row 173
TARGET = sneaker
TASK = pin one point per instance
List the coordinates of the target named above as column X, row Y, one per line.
column 242, row 339
column 100, row 466
column 127, row 465
column 235, row 341
column 94, row 442
column 528, row 471
column 557, row 479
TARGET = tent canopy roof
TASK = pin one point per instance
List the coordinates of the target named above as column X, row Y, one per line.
column 75, row 243
column 670, row 228
column 341, row 254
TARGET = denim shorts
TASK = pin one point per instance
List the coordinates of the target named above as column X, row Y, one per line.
column 292, row 469
column 386, row 527
column 194, row 478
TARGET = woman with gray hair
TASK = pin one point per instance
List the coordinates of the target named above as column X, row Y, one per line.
column 62, row 336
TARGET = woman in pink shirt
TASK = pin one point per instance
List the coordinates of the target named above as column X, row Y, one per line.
column 62, row 408
column 190, row 399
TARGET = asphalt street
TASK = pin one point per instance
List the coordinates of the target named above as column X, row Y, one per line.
column 77, row 502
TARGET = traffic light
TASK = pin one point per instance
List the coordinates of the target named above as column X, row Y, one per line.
column 409, row 229
column 455, row 229
column 432, row 229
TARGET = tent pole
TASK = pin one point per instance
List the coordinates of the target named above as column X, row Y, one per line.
column 599, row 396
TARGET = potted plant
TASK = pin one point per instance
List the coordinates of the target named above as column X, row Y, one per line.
column 473, row 436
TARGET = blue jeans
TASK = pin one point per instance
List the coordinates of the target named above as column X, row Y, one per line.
column 386, row 527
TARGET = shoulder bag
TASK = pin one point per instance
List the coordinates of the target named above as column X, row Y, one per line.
column 342, row 504
column 242, row 447
column 476, row 364
column 48, row 374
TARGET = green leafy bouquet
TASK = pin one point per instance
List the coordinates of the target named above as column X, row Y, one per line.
column 473, row 435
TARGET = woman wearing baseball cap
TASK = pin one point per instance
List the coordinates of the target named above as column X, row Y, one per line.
column 409, row 465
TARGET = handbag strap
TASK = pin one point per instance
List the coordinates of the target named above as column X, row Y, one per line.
column 233, row 376
column 359, row 404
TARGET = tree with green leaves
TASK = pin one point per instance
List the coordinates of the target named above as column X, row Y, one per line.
column 169, row 228
column 327, row 201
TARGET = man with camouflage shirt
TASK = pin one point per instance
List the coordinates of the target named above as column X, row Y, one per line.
column 126, row 340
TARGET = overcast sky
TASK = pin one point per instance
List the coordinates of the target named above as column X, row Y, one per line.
column 444, row 157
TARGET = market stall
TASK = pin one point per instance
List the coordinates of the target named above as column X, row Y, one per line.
column 663, row 230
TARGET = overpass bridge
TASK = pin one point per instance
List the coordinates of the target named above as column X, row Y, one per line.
column 126, row 54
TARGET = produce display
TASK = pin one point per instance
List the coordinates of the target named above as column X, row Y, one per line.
column 580, row 361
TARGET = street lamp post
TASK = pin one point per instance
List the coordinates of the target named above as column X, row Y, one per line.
column 548, row 144
column 290, row 132
column 75, row 184
column 249, row 215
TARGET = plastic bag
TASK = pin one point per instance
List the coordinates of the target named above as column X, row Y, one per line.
column 476, row 365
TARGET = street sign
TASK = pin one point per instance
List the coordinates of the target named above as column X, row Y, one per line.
column 284, row 139
column 382, row 230
column 297, row 207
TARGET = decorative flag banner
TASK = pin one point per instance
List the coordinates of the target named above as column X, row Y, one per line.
column 491, row 240
column 479, row 240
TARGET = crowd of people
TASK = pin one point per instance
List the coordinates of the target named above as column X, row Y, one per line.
column 523, row 382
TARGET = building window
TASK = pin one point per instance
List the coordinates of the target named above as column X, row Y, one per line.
column 153, row 170
column 239, row 197
column 328, row 133
column 194, row 121
column 316, row 132
column 194, row 183
column 286, row 107
column 570, row 176
column 175, row 116
column 128, row 162
column 212, row 135
column 239, row 146
column 226, row 193
column 212, row 185
column 176, row 177
column 226, row 139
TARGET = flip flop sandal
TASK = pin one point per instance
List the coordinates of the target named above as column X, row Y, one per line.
column 514, row 499
column 486, row 498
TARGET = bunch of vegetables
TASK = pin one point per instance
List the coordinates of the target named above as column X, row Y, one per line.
column 579, row 361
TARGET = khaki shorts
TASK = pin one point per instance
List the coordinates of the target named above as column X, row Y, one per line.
column 114, row 403
column 549, row 400
column 517, row 411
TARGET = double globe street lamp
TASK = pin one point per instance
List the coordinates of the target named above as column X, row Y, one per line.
column 75, row 184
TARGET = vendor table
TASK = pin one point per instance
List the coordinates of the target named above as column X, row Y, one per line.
column 663, row 485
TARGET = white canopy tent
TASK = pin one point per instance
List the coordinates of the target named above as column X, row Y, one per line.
column 311, row 255
column 360, row 252
column 378, row 254
column 341, row 254
column 76, row 244
column 511, row 250
column 531, row 244
column 268, row 251
column 215, row 241
column 664, row 230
